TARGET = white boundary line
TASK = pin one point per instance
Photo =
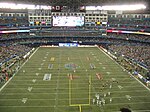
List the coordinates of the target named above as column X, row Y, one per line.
column 18, row 70
column 124, row 69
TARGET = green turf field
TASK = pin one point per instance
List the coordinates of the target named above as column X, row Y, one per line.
column 70, row 84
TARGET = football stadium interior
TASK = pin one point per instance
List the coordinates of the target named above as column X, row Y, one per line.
column 74, row 56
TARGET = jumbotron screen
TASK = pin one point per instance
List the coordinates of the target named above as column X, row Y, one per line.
column 71, row 21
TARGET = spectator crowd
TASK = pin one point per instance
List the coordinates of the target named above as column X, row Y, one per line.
column 137, row 37
column 7, row 52
column 16, row 44
column 138, row 52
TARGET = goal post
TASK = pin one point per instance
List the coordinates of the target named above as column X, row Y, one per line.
column 89, row 95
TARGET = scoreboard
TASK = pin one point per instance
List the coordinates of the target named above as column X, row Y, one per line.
column 68, row 9
column 68, row 20
column 63, row 16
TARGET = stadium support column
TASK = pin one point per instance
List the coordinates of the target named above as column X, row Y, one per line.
column 97, row 19
column 104, row 21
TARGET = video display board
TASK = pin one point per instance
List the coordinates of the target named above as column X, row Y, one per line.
column 71, row 21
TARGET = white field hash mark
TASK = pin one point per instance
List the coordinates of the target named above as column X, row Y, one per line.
column 30, row 89
column 37, row 74
column 34, row 80
column 120, row 87
column 104, row 68
column 97, row 59
column 128, row 97
column 42, row 64
column 108, row 73
column 113, row 79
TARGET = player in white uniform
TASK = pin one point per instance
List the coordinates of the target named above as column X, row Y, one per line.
column 104, row 94
column 97, row 102
column 93, row 100
column 110, row 86
column 24, row 71
column 100, row 103
column 98, row 96
column 109, row 93
column 110, row 100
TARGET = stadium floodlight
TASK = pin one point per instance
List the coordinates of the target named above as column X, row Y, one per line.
column 7, row 5
column 45, row 7
column 117, row 7
column 23, row 6
column 124, row 7
column 113, row 7
column 92, row 7
column 42, row 7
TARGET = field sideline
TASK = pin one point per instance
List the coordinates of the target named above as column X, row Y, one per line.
column 69, row 80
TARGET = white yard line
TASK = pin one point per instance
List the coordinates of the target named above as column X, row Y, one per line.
column 44, row 99
column 115, row 87
column 79, row 70
column 61, row 106
column 81, row 74
column 123, row 92
column 57, row 86
column 63, row 83
column 128, row 103
column 141, row 111
column 33, row 106
column 133, row 97
column 17, row 71
column 117, row 90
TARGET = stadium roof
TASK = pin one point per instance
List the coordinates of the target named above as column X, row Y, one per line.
column 78, row 2
column 75, row 3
